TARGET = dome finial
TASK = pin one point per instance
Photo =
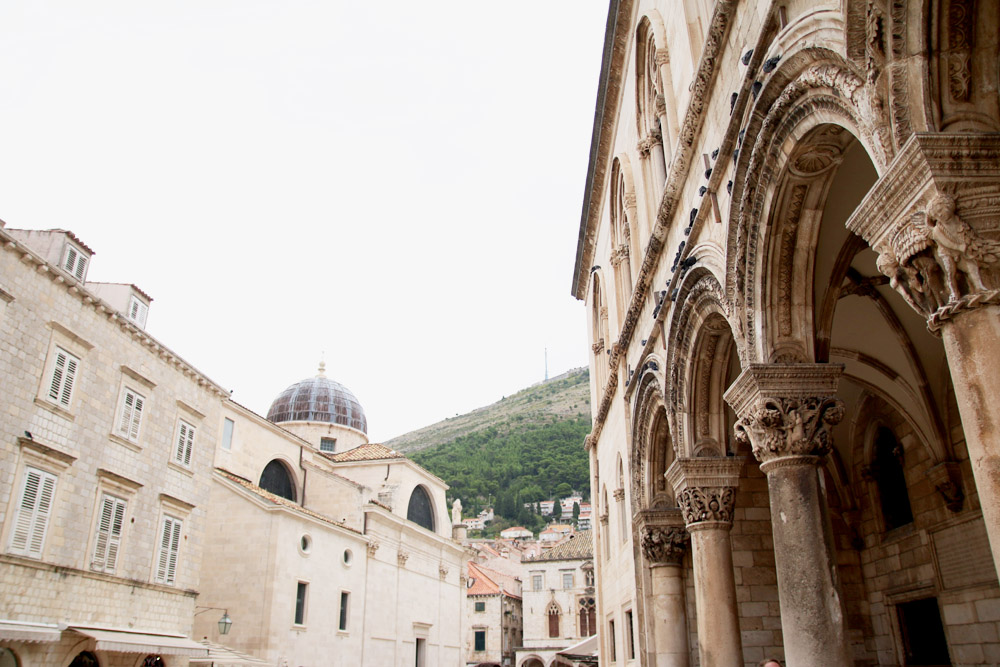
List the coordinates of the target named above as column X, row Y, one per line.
column 322, row 368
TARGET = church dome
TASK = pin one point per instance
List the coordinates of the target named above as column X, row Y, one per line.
column 318, row 399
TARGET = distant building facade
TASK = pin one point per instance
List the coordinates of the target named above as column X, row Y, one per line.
column 493, row 609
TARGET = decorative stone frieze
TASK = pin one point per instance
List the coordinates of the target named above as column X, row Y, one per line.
column 706, row 488
column 786, row 410
column 933, row 220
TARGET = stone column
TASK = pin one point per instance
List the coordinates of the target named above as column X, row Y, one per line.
column 664, row 541
column 932, row 219
column 706, row 493
column 786, row 413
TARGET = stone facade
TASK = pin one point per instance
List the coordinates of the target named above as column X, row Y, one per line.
column 790, row 257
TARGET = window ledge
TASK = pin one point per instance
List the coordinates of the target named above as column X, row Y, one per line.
column 134, row 446
column 179, row 467
column 299, row 628
column 55, row 409
column 344, row 633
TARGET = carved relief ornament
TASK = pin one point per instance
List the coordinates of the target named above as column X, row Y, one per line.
column 705, row 488
column 665, row 544
column 700, row 504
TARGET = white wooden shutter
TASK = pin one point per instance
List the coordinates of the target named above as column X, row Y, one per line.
column 109, row 533
column 131, row 417
column 70, row 264
column 185, row 443
column 31, row 523
column 63, row 377
column 137, row 311
column 170, row 537
column 81, row 267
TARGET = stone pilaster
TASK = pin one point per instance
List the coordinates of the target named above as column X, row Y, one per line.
column 664, row 541
column 933, row 219
column 786, row 412
column 706, row 493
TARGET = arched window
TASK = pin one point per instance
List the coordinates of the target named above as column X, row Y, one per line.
column 420, row 510
column 85, row 659
column 887, row 471
column 588, row 617
column 8, row 658
column 655, row 131
column 621, row 237
column 620, row 498
column 553, row 614
column 599, row 331
column 278, row 480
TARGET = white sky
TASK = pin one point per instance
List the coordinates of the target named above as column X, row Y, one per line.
column 397, row 184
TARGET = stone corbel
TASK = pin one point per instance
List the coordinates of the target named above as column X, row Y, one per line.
column 402, row 557
column 947, row 480
column 706, row 488
column 619, row 495
column 372, row 548
column 787, row 410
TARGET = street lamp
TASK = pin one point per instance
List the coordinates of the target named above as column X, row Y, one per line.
column 224, row 623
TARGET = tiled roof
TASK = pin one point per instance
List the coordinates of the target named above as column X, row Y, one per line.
column 490, row 582
column 579, row 546
column 370, row 452
column 278, row 500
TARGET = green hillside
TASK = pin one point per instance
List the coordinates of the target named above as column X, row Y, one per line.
column 524, row 448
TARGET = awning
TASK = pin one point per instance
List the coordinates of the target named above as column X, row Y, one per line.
column 22, row 631
column 223, row 656
column 126, row 641
column 584, row 651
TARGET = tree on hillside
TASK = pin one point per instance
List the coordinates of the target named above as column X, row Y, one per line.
column 576, row 511
column 563, row 490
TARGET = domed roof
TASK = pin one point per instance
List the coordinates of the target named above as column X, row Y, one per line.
column 318, row 399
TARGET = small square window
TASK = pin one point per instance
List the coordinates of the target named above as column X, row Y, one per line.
column 327, row 444
column 137, row 311
column 75, row 262
column 567, row 580
column 480, row 606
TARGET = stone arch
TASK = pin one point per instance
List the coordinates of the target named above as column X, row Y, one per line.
column 652, row 450
column 704, row 357
column 624, row 235
column 531, row 660
column 278, row 478
column 656, row 108
column 599, row 327
column 420, row 508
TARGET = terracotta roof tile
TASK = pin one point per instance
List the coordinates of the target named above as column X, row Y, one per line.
column 370, row 452
column 580, row 546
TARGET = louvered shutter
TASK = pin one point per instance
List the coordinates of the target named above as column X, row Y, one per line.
column 70, row 264
column 131, row 417
column 28, row 535
column 185, row 443
column 133, row 433
column 81, row 268
column 166, row 567
column 63, row 376
column 109, row 533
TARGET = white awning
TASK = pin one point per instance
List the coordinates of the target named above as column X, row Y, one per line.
column 582, row 650
column 223, row 656
column 21, row 631
column 126, row 641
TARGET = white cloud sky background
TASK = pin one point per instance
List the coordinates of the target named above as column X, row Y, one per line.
column 395, row 184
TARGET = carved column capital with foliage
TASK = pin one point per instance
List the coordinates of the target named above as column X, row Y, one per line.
column 665, row 545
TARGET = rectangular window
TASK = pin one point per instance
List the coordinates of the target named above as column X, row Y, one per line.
column 170, row 540
column 611, row 640
column 345, row 605
column 629, row 641
column 109, row 533
column 480, row 640
column 63, row 377
column 227, row 433
column 131, row 414
column 300, row 602
column 536, row 582
column 32, row 517
column 567, row 580
column 185, row 443
column 327, row 444
column 137, row 311
column 75, row 262
column 480, row 606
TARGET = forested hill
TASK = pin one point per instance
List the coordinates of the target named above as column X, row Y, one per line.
column 524, row 448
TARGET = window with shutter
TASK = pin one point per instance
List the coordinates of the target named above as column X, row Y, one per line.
column 75, row 263
column 166, row 562
column 32, row 520
column 63, row 377
column 109, row 533
column 185, row 443
column 137, row 311
column 131, row 415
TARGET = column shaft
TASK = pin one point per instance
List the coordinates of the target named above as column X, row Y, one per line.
column 971, row 342
column 669, row 616
column 719, row 641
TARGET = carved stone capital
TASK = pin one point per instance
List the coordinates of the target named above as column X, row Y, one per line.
column 787, row 410
column 372, row 548
column 663, row 538
column 442, row 571
column 619, row 495
column 706, row 488
column 934, row 220
column 402, row 557
column 598, row 346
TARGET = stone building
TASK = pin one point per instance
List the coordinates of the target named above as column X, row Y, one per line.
column 789, row 253
column 106, row 456
column 558, row 601
column 139, row 504
column 494, row 614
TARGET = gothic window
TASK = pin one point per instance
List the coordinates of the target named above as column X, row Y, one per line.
column 655, row 130
column 599, row 330
column 621, row 239
column 420, row 510
column 278, row 480
column 887, row 472
column 588, row 617
column 553, row 614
